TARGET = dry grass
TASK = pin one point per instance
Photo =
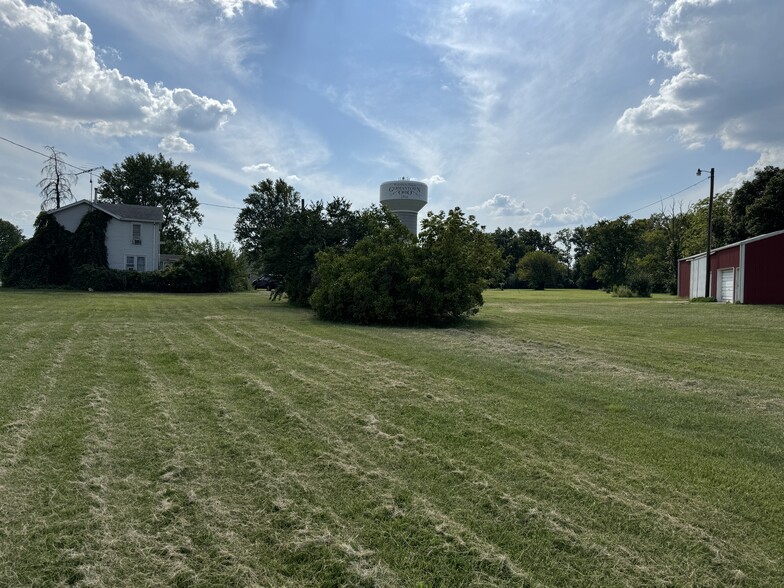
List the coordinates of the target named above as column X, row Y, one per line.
column 557, row 439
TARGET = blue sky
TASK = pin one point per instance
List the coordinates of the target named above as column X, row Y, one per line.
column 526, row 113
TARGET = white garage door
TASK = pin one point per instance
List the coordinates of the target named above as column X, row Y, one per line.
column 727, row 288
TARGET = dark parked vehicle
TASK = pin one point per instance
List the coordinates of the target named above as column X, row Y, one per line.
column 266, row 282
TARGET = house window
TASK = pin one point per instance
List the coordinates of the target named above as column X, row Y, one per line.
column 138, row 263
column 136, row 234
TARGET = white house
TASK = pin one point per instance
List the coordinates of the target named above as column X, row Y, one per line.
column 133, row 234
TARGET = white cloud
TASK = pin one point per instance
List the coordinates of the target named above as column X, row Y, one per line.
column 175, row 143
column 434, row 180
column 234, row 7
column 293, row 178
column 502, row 205
column 774, row 157
column 729, row 81
column 579, row 213
column 265, row 168
column 58, row 79
column 415, row 145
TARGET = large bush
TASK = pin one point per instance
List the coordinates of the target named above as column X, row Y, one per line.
column 41, row 261
column 391, row 277
column 208, row 266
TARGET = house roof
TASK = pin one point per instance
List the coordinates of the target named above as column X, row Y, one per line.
column 744, row 242
column 131, row 211
column 126, row 212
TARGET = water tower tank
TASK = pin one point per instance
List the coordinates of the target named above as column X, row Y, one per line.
column 405, row 198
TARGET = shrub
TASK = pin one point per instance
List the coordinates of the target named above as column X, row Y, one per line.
column 98, row 278
column 640, row 284
column 208, row 266
column 622, row 292
column 389, row 278
column 703, row 299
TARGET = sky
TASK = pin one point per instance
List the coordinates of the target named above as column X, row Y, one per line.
column 525, row 113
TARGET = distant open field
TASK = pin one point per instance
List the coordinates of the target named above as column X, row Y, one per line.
column 556, row 439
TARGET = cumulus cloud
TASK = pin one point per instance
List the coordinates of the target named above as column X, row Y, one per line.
column 502, row 205
column 59, row 79
column 773, row 157
column 434, row 180
column 175, row 143
column 293, row 178
column 265, row 168
column 729, row 81
column 234, row 7
column 578, row 214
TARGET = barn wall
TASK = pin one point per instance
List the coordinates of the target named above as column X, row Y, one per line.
column 764, row 271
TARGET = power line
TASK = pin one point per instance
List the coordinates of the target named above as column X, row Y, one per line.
column 42, row 154
column 666, row 197
column 220, row 205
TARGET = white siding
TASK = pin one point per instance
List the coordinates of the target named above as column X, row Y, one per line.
column 119, row 243
column 70, row 217
column 697, row 279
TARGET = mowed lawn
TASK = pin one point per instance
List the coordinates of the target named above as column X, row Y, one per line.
column 556, row 439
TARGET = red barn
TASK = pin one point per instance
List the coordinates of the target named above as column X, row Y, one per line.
column 750, row 271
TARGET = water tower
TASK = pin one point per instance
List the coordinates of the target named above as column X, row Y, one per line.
column 405, row 198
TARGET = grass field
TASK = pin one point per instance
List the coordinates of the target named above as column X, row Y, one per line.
column 556, row 439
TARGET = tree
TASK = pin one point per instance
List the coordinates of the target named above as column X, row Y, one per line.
column 290, row 250
column 266, row 208
column 613, row 245
column 514, row 245
column 564, row 238
column 152, row 180
column 695, row 234
column 56, row 183
column 757, row 206
column 540, row 269
column 10, row 237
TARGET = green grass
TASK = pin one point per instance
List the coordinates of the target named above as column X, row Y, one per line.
column 559, row 438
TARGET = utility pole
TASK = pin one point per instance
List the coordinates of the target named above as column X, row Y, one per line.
column 710, row 225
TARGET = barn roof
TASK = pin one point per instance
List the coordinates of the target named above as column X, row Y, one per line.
column 737, row 243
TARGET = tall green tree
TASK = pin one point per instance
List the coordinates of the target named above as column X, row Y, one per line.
column 695, row 232
column 152, row 180
column 56, row 182
column 10, row 237
column 540, row 270
column 614, row 245
column 514, row 245
column 290, row 250
column 267, row 208
column 757, row 206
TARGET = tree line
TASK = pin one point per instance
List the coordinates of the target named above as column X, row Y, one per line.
column 641, row 254
column 305, row 244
